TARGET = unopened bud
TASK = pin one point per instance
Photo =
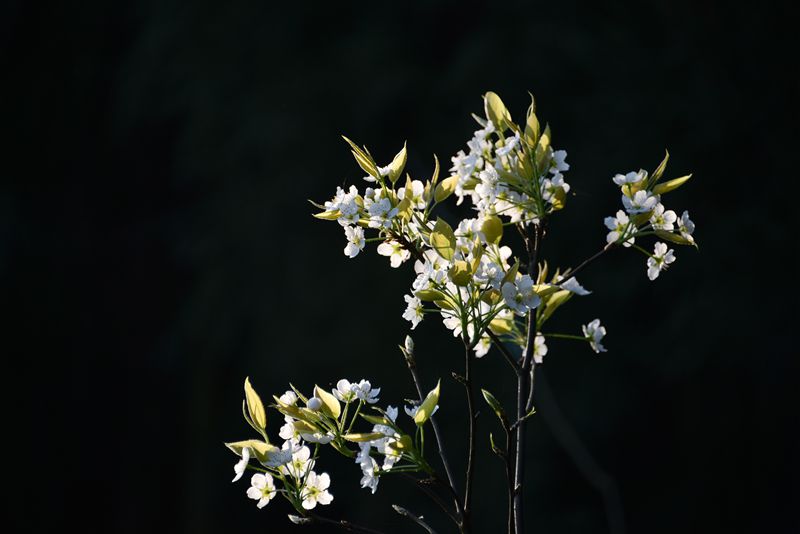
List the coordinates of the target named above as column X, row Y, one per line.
column 314, row 404
column 409, row 345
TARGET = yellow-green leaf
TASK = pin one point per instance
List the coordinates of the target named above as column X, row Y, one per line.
column 260, row 449
column 659, row 172
column 532, row 129
column 398, row 164
column 435, row 177
column 501, row 326
column 492, row 228
column 491, row 296
column 496, row 111
column 670, row 185
column 673, row 237
column 429, row 295
column 460, row 273
column 360, row 437
column 428, row 405
column 495, row 405
column 554, row 302
column 511, row 275
column 445, row 188
column 542, row 151
column 330, row 404
column 403, row 444
column 443, row 240
column 254, row 405
column 328, row 215
column 363, row 159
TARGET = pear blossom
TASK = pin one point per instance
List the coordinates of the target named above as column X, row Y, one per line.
column 241, row 465
column 412, row 409
column 619, row 227
column 413, row 312
column 415, row 195
column 539, row 348
column 520, row 296
column 395, row 251
column 558, row 162
column 355, row 241
column 287, row 431
column 551, row 187
column 369, row 471
column 663, row 220
column 314, row 404
column 659, row 261
column 482, row 347
column 315, row 490
column 278, row 457
column 629, row 178
column 348, row 207
column 381, row 213
column 345, row 391
column 510, row 144
column 323, row 438
column 573, row 286
column 594, row 332
column 686, row 227
column 365, row 392
column 290, row 398
column 300, row 463
column 262, row 489
column 641, row 202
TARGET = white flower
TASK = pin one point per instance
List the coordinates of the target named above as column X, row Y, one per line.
column 659, row 261
column 550, row 187
column 413, row 311
column 412, row 409
column 314, row 404
column 482, row 347
column 365, row 392
column 397, row 254
column 290, row 398
column 261, row 489
column 345, row 391
column 594, row 332
column 573, row 286
column 663, row 220
column 630, row 178
column 641, row 202
column 241, row 465
column 288, row 432
column 520, row 296
column 369, row 470
column 558, row 162
column 510, row 144
column 539, row 348
column 279, row 457
column 318, row 437
column 381, row 213
column 315, row 490
column 686, row 227
column 348, row 207
column 300, row 463
column 619, row 228
column 355, row 241
column 415, row 196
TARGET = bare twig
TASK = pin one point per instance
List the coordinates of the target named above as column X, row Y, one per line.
column 422, row 484
column 504, row 351
column 340, row 523
column 415, row 518
column 467, row 507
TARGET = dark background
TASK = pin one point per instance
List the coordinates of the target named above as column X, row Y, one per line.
column 157, row 247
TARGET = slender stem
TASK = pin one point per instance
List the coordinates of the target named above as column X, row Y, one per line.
column 343, row 524
column 471, row 429
column 509, row 481
column 504, row 351
column 415, row 518
column 566, row 336
column 422, row 485
column 451, row 485
column 590, row 259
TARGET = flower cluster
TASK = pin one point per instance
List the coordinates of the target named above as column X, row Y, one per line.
column 644, row 214
column 325, row 418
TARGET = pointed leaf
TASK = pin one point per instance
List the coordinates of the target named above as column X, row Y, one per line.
column 670, row 185
column 254, row 405
column 443, row 240
column 428, row 405
column 330, row 404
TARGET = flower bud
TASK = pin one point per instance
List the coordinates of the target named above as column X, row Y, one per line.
column 314, row 404
column 409, row 344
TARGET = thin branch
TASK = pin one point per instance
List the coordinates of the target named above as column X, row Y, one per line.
column 589, row 260
column 451, row 485
column 341, row 523
column 415, row 518
column 471, row 430
column 504, row 351
column 421, row 484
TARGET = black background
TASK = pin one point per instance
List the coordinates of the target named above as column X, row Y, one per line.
column 157, row 247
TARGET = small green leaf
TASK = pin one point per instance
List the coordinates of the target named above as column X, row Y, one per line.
column 429, row 295
column 260, row 449
column 443, row 240
column 554, row 302
column 496, row 407
column 364, row 160
column 674, row 237
column 330, row 404
column 254, row 405
column 659, row 172
column 496, row 111
column 361, row 437
column 376, row 420
column 404, row 444
column 460, row 273
column 398, row 164
column 328, row 215
column 435, row 177
column 670, row 185
column 532, row 128
column 428, row 405
column 445, row 188
column 501, row 326
column 542, row 152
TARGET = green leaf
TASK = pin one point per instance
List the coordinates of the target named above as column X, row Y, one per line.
column 542, row 152
column 260, row 449
column 330, row 404
column 361, row 437
column 435, row 177
column 328, row 215
column 554, row 302
column 659, row 172
column 364, row 160
column 254, row 405
column 429, row 295
column 670, row 185
column 460, row 273
column 443, row 240
column 674, row 238
column 496, row 407
column 496, row 111
column 445, row 188
column 376, row 420
column 404, row 444
column 492, row 228
column 532, row 128
column 428, row 405
column 397, row 165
